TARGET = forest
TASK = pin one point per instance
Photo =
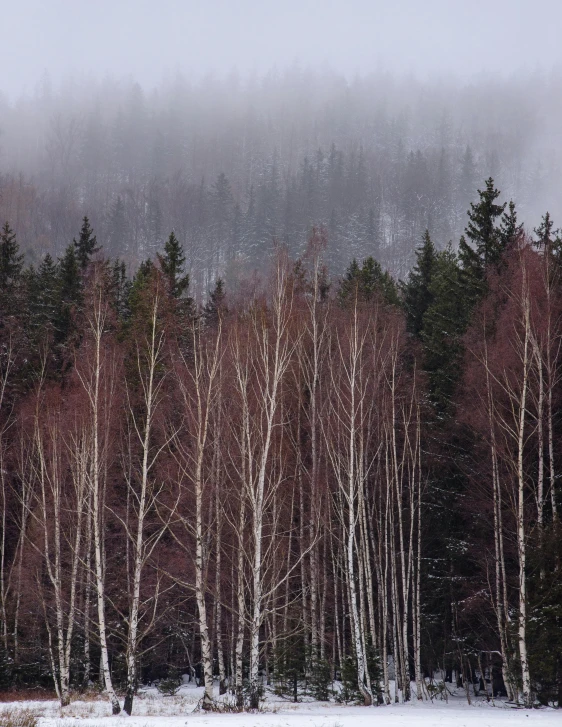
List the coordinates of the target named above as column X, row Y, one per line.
column 304, row 478
column 232, row 163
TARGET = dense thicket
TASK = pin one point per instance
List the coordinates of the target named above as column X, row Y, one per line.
column 232, row 164
column 304, row 479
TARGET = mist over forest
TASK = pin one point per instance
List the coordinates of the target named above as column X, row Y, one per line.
column 235, row 163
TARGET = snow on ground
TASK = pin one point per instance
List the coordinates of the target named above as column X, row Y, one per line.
column 153, row 710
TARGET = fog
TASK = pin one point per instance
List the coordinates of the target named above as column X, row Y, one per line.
column 148, row 37
column 237, row 123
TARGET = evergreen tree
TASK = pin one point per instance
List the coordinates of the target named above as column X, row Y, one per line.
column 548, row 238
column 42, row 294
column 443, row 324
column 172, row 263
column 215, row 307
column 483, row 232
column 366, row 282
column 138, row 285
column 417, row 291
column 86, row 245
column 11, row 266
column 69, row 292
column 510, row 230
column 11, row 261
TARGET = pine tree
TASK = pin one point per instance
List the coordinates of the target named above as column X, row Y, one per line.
column 351, row 281
column 86, row 245
column 366, row 282
column 545, row 232
column 42, row 294
column 487, row 241
column 11, row 262
column 172, row 263
column 11, row 266
column 510, row 231
column 548, row 238
column 69, row 293
column 443, row 324
column 417, row 290
column 138, row 286
column 215, row 307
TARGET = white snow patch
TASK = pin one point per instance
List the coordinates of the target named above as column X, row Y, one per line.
column 150, row 709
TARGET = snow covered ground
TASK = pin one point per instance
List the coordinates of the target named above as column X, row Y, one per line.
column 153, row 710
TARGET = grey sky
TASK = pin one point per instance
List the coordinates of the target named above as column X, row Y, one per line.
column 149, row 37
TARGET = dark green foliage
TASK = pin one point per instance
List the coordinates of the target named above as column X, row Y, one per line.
column 170, row 685
column 69, row 293
column 138, row 285
column 290, row 667
column 444, row 323
column 366, row 282
column 457, row 285
column 483, row 232
column 86, row 245
column 11, row 261
column 488, row 241
column 349, row 692
column 320, row 680
column 172, row 263
column 11, row 266
column 510, row 230
column 545, row 233
column 545, row 622
column 43, row 294
column 418, row 296
column 549, row 240
column 253, row 696
column 215, row 307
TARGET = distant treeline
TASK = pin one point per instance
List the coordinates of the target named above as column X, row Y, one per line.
column 234, row 165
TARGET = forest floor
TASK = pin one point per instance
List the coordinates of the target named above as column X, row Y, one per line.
column 153, row 710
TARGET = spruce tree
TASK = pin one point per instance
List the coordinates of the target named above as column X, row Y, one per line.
column 548, row 238
column 11, row 266
column 366, row 282
column 172, row 263
column 42, row 293
column 417, row 290
column 510, row 231
column 69, row 293
column 86, row 245
column 215, row 307
column 349, row 286
column 11, row 262
column 135, row 296
column 443, row 324
column 483, row 232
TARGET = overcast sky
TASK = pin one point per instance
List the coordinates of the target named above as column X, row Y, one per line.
column 147, row 38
